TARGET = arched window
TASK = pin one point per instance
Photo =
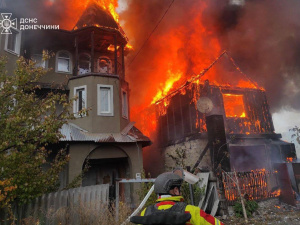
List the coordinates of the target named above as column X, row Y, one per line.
column 63, row 62
column 84, row 64
column 104, row 65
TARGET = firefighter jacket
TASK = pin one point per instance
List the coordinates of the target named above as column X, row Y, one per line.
column 198, row 216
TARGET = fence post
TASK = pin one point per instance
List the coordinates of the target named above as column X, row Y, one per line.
column 117, row 200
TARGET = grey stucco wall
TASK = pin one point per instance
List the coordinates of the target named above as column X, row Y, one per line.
column 192, row 148
column 93, row 122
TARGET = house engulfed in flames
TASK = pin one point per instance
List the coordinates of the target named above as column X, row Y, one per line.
column 220, row 120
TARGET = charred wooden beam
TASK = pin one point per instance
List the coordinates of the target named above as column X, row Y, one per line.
column 92, row 52
column 116, row 54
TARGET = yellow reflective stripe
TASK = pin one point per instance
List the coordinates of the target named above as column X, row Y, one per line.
column 217, row 222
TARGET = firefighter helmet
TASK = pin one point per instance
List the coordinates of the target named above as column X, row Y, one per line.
column 166, row 182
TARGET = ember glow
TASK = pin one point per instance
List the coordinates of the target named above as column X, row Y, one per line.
column 254, row 184
column 234, row 105
column 289, row 159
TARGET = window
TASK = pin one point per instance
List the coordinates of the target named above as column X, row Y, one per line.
column 124, row 104
column 13, row 42
column 234, row 105
column 104, row 65
column 105, row 100
column 38, row 58
column 63, row 62
column 84, row 64
column 80, row 102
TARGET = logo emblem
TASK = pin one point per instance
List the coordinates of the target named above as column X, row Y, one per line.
column 6, row 23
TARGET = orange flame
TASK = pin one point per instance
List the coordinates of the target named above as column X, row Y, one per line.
column 289, row 159
column 234, row 105
column 173, row 77
column 75, row 8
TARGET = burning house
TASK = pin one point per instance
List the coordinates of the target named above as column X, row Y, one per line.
column 220, row 120
column 88, row 64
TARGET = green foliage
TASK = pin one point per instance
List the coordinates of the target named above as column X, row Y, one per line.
column 29, row 123
column 144, row 189
column 250, row 206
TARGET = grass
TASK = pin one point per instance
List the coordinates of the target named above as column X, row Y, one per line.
column 83, row 214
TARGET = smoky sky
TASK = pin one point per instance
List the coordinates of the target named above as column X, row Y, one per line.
column 263, row 36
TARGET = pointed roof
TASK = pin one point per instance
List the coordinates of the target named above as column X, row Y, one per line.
column 225, row 72
column 95, row 15
column 222, row 72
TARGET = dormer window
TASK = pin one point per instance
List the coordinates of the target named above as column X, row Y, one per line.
column 104, row 65
column 84, row 64
column 39, row 61
column 63, row 62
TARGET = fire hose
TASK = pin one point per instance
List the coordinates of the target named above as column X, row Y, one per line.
column 187, row 176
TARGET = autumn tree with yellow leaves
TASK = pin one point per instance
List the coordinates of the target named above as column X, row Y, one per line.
column 29, row 124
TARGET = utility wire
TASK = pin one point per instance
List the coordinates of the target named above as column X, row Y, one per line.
column 151, row 32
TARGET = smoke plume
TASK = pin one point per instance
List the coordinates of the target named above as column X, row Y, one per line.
column 262, row 36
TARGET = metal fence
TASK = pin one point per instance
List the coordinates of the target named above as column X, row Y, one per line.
column 64, row 206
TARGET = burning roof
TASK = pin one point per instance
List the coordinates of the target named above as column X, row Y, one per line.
column 97, row 16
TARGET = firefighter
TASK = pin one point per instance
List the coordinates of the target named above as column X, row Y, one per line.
column 170, row 207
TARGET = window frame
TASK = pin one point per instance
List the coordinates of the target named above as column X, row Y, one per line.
column 18, row 42
column 126, row 114
column 111, row 100
column 70, row 65
column 90, row 63
column 46, row 61
column 76, row 102
column 109, row 66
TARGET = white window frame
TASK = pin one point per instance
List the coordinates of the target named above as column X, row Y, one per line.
column 18, row 42
column 41, row 55
column 75, row 103
column 125, row 113
column 111, row 101
column 56, row 62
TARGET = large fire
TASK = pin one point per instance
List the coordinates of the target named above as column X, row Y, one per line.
column 75, row 8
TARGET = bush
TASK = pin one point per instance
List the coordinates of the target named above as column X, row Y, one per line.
column 251, row 206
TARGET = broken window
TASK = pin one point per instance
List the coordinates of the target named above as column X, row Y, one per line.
column 105, row 100
column 104, row 65
column 234, row 105
column 84, row 63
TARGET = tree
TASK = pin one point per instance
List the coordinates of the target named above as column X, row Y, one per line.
column 29, row 125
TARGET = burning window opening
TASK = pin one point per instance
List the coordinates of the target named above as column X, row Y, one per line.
column 234, row 105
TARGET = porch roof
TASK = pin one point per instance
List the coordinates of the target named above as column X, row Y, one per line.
column 72, row 132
